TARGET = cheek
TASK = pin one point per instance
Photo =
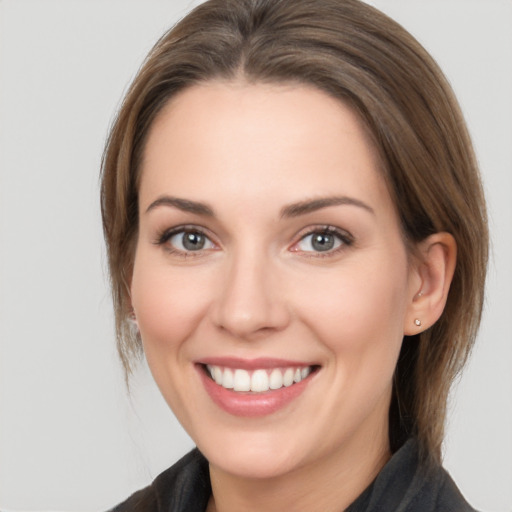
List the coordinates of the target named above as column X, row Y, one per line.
column 168, row 302
column 358, row 313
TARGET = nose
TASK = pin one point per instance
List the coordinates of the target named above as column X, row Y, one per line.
column 251, row 301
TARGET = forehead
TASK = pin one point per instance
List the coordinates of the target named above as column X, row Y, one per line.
column 256, row 141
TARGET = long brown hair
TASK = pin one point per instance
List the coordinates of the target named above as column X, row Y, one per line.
column 354, row 53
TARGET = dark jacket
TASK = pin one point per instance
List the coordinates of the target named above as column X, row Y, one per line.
column 402, row 486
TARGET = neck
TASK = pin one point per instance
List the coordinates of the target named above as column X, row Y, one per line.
column 330, row 484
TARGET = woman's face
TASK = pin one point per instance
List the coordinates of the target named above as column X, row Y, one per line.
column 271, row 283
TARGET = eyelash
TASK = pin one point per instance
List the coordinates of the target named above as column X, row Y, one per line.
column 345, row 239
column 164, row 237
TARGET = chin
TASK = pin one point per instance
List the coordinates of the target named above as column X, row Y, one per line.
column 258, row 456
column 259, row 466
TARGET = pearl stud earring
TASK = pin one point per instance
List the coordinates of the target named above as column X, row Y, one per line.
column 417, row 322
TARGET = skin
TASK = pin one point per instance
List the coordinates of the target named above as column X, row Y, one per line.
column 259, row 289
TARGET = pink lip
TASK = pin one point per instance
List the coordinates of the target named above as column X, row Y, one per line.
column 251, row 404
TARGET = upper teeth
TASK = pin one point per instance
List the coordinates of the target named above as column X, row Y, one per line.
column 260, row 380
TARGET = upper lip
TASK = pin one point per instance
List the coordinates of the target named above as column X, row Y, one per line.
column 252, row 364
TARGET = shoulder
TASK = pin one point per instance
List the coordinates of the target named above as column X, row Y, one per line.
column 433, row 490
column 406, row 485
column 185, row 486
column 141, row 501
column 446, row 495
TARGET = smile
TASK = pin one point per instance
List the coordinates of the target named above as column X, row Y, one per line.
column 259, row 380
column 250, row 388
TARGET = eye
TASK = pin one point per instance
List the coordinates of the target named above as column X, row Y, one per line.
column 186, row 240
column 322, row 240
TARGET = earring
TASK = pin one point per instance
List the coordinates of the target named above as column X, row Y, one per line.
column 417, row 322
column 133, row 320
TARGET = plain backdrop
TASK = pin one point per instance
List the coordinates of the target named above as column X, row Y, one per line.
column 70, row 437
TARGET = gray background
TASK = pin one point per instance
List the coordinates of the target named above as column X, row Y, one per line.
column 70, row 438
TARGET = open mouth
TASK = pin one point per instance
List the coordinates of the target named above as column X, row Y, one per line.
column 258, row 380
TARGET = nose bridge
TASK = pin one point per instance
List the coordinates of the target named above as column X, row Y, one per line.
column 250, row 300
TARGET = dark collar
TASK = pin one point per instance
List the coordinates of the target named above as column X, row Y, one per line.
column 403, row 485
column 185, row 486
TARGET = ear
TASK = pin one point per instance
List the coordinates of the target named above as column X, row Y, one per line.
column 429, row 283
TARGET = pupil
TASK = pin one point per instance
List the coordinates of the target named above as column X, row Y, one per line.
column 193, row 241
column 323, row 242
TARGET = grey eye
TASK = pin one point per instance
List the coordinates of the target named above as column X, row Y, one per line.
column 319, row 242
column 190, row 241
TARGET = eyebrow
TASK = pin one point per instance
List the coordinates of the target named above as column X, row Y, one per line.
column 304, row 207
column 292, row 210
column 185, row 205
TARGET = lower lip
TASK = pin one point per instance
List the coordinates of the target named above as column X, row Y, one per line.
column 251, row 404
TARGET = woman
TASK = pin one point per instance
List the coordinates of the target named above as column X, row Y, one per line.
column 297, row 240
